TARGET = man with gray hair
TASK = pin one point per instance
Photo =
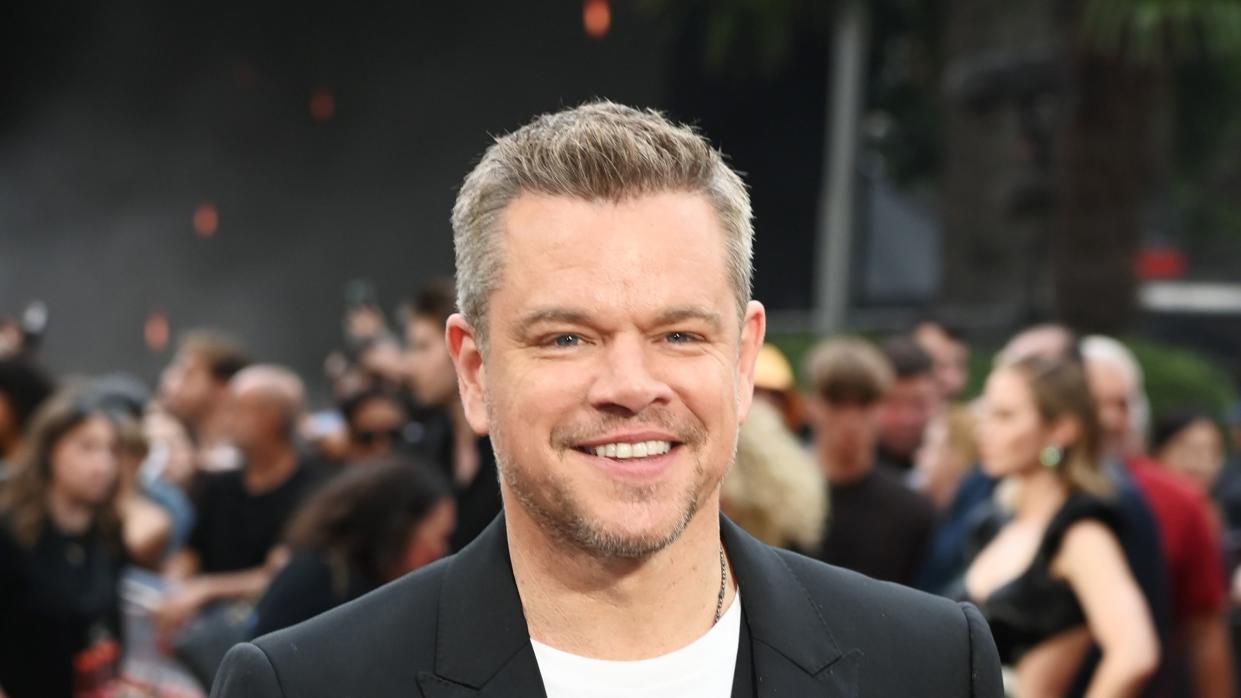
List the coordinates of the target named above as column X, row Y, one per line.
column 1191, row 549
column 606, row 343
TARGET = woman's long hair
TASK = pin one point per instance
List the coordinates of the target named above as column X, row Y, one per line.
column 363, row 516
column 23, row 499
column 1060, row 390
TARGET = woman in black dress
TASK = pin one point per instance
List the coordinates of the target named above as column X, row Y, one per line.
column 1049, row 574
column 61, row 556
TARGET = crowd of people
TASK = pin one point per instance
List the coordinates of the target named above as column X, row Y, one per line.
column 250, row 512
column 1095, row 540
column 1099, row 539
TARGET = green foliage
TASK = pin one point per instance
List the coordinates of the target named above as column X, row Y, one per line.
column 795, row 346
column 1160, row 31
column 1177, row 377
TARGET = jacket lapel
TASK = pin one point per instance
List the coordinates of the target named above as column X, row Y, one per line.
column 794, row 652
column 482, row 643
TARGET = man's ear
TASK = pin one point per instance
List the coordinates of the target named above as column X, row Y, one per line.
column 753, row 331
column 467, row 357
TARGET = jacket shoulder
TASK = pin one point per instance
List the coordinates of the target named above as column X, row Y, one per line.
column 908, row 637
column 373, row 645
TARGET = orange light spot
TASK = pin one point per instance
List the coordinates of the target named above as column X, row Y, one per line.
column 156, row 331
column 322, row 104
column 206, row 220
column 596, row 18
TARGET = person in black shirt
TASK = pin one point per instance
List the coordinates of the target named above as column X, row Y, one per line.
column 370, row 525
column 466, row 459
column 234, row 548
column 878, row 526
column 23, row 387
column 911, row 399
column 61, row 556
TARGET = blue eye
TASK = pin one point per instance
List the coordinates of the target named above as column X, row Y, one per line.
column 567, row 340
column 679, row 337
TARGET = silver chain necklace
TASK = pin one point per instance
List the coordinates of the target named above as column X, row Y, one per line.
column 719, row 604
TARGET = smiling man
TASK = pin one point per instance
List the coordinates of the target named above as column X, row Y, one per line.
column 606, row 343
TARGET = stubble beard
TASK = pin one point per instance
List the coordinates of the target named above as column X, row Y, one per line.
column 552, row 503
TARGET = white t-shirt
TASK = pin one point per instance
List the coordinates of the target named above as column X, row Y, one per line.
column 702, row 669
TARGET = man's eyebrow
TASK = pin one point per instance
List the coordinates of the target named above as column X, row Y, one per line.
column 690, row 312
column 568, row 316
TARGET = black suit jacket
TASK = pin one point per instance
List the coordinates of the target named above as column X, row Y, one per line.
column 455, row 629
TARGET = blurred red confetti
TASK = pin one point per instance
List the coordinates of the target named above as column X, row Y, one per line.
column 206, row 220
column 156, row 331
column 596, row 18
column 322, row 104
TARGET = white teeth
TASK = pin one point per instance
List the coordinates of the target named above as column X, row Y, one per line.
column 641, row 449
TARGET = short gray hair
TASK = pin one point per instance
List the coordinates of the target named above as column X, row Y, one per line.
column 597, row 151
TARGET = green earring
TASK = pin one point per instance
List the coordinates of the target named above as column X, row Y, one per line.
column 1051, row 456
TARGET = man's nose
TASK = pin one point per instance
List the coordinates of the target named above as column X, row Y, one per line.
column 627, row 379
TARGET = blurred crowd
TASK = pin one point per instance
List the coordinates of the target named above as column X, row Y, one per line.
column 143, row 531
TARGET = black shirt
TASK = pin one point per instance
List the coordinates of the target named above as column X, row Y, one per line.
column 235, row 530
column 60, row 619
column 877, row 526
column 478, row 502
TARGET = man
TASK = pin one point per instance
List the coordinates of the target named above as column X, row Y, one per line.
column 234, row 548
column 467, row 459
column 606, row 342
column 1191, row 548
column 950, row 355
column 194, row 388
column 878, row 526
column 908, row 405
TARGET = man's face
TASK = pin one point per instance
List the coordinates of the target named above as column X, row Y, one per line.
column 846, row 430
column 254, row 419
column 905, row 412
column 428, row 363
column 187, row 387
column 1110, row 390
column 951, row 359
column 617, row 374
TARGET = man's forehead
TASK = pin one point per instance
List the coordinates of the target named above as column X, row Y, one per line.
column 659, row 250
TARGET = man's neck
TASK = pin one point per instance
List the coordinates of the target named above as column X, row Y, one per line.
column 618, row 609
column 69, row 516
column 267, row 467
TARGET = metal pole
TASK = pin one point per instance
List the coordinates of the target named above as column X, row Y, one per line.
column 835, row 228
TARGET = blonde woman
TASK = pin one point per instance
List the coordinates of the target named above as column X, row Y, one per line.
column 1051, row 578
